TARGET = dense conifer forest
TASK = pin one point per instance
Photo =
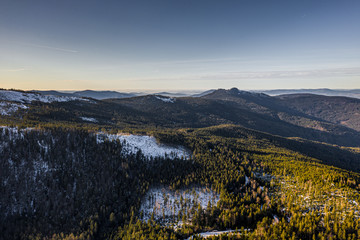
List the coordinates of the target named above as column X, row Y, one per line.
column 63, row 184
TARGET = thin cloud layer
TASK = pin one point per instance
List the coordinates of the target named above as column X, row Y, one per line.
column 51, row 48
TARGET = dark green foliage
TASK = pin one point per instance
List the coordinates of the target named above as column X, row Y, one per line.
column 69, row 179
column 58, row 182
column 225, row 163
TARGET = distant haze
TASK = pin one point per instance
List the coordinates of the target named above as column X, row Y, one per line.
column 354, row 93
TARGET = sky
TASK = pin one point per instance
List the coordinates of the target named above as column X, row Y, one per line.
column 179, row 44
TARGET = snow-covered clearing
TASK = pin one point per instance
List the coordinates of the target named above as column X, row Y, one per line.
column 147, row 144
column 89, row 119
column 131, row 143
column 25, row 97
column 175, row 206
column 166, row 99
column 6, row 108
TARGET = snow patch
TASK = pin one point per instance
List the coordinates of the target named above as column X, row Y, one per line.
column 166, row 99
column 171, row 206
column 214, row 233
column 6, row 108
column 146, row 144
column 247, row 181
column 276, row 219
column 89, row 119
column 24, row 97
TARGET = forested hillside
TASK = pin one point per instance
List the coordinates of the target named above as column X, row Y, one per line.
column 70, row 170
column 340, row 110
column 251, row 110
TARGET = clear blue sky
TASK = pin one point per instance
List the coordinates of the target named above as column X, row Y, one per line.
column 179, row 44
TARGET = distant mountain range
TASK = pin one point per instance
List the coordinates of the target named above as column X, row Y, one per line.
column 114, row 94
column 354, row 93
column 335, row 120
column 89, row 94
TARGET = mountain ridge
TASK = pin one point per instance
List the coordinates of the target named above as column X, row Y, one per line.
column 252, row 110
